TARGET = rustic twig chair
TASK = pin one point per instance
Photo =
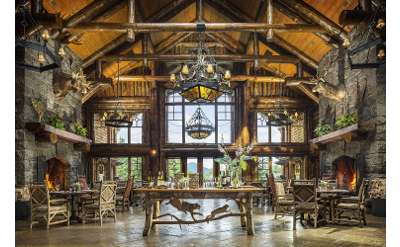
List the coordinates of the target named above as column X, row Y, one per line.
column 53, row 211
column 283, row 202
column 104, row 205
column 305, row 200
column 355, row 208
column 123, row 200
column 272, row 191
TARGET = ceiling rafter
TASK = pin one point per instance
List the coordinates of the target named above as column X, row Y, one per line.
column 236, row 14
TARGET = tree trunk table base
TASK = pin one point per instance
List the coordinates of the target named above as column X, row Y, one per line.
column 153, row 197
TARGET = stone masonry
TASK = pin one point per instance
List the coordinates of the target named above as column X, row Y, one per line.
column 365, row 95
column 30, row 153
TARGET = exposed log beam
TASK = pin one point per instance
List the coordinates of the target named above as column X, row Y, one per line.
column 166, row 44
column 270, row 15
column 297, row 17
column 95, row 11
column 189, row 57
column 166, row 78
column 298, row 53
column 191, row 27
column 131, row 19
column 236, row 14
column 329, row 26
column 199, row 10
column 298, row 83
column 227, row 44
column 105, row 50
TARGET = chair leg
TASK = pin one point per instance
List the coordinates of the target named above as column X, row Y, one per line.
column 364, row 218
column 115, row 215
column 315, row 218
column 101, row 218
column 294, row 220
column 276, row 211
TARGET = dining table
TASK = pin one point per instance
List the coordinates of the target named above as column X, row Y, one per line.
column 71, row 196
column 332, row 196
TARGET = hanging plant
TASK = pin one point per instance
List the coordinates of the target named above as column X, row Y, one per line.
column 322, row 129
column 80, row 130
column 55, row 121
column 346, row 120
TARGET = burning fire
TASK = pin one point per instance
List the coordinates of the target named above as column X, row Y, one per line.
column 346, row 175
column 50, row 184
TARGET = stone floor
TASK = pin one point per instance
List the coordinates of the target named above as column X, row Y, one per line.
column 225, row 232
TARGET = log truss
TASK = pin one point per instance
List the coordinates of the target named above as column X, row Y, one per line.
column 304, row 18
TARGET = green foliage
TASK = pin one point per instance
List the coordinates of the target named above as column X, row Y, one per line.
column 174, row 167
column 346, row 120
column 82, row 131
column 56, row 122
column 322, row 129
column 122, row 168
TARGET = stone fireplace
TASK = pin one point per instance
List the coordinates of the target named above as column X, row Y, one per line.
column 56, row 173
column 345, row 172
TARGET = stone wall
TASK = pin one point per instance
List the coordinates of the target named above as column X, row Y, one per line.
column 30, row 153
column 365, row 95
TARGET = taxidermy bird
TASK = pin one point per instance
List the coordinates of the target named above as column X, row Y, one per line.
column 39, row 108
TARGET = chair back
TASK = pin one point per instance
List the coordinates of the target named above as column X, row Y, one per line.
column 107, row 193
column 39, row 195
column 304, row 191
column 280, row 189
column 128, row 188
column 362, row 191
column 83, row 182
column 271, row 183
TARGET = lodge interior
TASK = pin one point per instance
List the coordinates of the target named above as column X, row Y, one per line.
column 217, row 104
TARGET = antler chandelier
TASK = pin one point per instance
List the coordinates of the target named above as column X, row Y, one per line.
column 118, row 117
column 199, row 126
column 280, row 117
column 202, row 82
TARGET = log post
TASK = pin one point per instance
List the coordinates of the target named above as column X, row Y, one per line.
column 269, row 18
column 131, row 16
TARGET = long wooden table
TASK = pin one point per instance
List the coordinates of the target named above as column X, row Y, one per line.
column 242, row 196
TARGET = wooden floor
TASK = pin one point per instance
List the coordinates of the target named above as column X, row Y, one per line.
column 226, row 232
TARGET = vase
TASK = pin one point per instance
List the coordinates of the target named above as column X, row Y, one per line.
column 236, row 178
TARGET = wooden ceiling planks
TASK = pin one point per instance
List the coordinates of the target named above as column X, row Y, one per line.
column 92, row 41
column 309, row 43
column 65, row 8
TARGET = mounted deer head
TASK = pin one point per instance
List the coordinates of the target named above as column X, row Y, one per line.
column 325, row 89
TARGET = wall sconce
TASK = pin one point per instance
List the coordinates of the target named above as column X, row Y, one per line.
column 153, row 152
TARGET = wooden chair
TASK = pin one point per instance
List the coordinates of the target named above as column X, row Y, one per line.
column 83, row 182
column 53, row 211
column 305, row 200
column 283, row 202
column 105, row 205
column 356, row 208
column 272, row 191
column 123, row 200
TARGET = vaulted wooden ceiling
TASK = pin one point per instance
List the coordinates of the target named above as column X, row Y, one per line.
column 309, row 47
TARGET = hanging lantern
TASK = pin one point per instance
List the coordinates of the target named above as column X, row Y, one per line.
column 202, row 82
column 199, row 126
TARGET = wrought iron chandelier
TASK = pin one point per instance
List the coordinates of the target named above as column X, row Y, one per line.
column 202, row 82
column 199, row 126
column 118, row 117
column 280, row 117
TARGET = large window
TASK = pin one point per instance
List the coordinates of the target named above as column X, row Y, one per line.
column 208, row 169
column 128, row 165
column 132, row 135
column 262, row 168
column 174, row 166
column 293, row 133
column 179, row 111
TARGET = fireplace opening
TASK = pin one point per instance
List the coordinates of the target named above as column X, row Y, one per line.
column 56, row 173
column 346, row 173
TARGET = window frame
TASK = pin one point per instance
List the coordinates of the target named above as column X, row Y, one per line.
column 221, row 101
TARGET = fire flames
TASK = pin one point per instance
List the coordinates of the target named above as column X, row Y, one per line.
column 346, row 175
column 50, row 184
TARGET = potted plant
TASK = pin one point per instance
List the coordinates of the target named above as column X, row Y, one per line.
column 322, row 129
column 377, row 194
column 80, row 130
column 346, row 120
column 55, row 121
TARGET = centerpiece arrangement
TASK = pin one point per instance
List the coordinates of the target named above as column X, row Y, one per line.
column 234, row 166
